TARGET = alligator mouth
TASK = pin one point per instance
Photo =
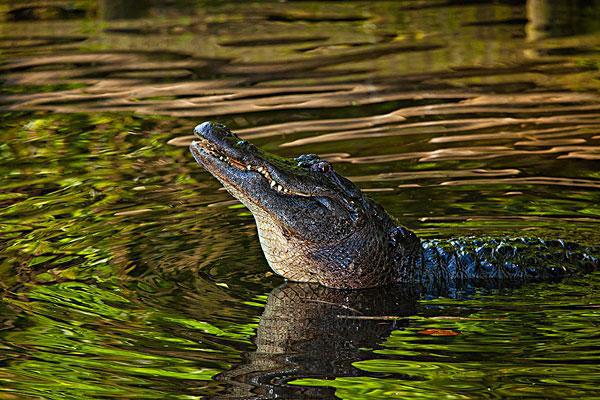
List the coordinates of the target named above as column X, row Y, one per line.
column 203, row 147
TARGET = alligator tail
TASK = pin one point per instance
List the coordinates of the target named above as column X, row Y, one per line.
column 493, row 262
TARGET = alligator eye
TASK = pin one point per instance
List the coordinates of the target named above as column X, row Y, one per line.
column 322, row 166
column 307, row 158
column 242, row 143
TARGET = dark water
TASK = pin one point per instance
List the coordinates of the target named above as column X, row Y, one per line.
column 125, row 272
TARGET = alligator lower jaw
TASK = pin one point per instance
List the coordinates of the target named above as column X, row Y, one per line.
column 210, row 150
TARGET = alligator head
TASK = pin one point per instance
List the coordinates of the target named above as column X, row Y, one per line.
column 313, row 224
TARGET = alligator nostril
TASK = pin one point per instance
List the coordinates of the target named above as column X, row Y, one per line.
column 202, row 128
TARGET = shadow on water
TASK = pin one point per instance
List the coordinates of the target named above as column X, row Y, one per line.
column 126, row 272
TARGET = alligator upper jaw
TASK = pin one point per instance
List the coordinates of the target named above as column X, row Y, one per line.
column 238, row 164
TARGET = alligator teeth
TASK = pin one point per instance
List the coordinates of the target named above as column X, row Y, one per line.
column 262, row 170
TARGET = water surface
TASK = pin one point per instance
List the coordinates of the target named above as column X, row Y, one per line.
column 126, row 272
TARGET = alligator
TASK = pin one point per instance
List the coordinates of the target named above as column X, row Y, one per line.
column 316, row 226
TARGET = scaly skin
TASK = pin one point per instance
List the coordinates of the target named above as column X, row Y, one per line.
column 448, row 264
column 316, row 226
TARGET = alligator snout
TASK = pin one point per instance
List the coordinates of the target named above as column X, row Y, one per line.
column 213, row 131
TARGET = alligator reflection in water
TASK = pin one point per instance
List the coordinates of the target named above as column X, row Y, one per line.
column 307, row 330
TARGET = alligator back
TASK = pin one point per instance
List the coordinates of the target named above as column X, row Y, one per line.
column 493, row 262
